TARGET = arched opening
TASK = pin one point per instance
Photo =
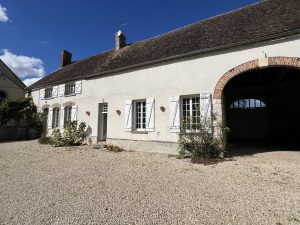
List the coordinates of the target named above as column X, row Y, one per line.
column 261, row 107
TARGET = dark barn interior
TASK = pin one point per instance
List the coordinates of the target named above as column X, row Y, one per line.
column 263, row 107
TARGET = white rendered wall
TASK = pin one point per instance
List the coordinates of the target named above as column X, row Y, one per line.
column 182, row 77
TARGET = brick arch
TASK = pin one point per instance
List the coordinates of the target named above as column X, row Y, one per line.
column 56, row 105
column 66, row 104
column 251, row 65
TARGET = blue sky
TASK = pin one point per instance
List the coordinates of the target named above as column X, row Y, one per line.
column 33, row 32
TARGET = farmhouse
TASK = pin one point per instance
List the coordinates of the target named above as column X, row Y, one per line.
column 242, row 65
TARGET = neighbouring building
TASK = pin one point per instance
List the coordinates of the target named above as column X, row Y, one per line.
column 11, row 87
column 242, row 65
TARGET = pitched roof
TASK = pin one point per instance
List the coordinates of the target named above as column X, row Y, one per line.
column 11, row 75
column 262, row 21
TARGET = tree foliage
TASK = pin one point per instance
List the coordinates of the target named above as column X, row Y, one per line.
column 22, row 108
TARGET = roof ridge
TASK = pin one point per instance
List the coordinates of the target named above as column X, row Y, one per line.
column 179, row 28
column 203, row 20
column 207, row 35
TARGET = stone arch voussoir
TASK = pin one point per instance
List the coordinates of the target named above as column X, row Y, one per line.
column 251, row 65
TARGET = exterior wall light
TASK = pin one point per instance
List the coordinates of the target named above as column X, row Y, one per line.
column 118, row 112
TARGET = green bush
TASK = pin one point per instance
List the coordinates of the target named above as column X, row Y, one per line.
column 73, row 135
column 200, row 142
column 22, row 108
column 16, row 109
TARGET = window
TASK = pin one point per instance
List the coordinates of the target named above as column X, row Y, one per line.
column 104, row 108
column 48, row 92
column 70, row 89
column 68, row 114
column 190, row 111
column 55, row 118
column 139, row 108
column 248, row 103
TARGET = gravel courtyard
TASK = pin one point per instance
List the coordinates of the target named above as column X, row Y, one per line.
column 45, row 185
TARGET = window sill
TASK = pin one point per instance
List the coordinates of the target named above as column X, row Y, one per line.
column 139, row 132
column 48, row 98
column 69, row 95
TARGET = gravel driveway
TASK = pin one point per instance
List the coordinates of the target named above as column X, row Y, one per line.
column 44, row 185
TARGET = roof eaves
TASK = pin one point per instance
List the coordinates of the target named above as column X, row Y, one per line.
column 184, row 55
column 198, row 52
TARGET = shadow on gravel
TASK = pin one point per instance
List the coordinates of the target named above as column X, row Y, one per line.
column 238, row 149
column 207, row 162
column 202, row 161
column 14, row 141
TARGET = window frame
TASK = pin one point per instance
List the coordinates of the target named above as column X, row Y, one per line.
column 47, row 91
column 67, row 114
column 191, row 109
column 55, row 117
column 69, row 86
column 139, row 115
column 247, row 104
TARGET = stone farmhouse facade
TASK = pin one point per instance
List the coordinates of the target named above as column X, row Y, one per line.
column 136, row 95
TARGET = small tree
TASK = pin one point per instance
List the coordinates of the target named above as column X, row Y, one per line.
column 198, row 140
column 73, row 135
column 22, row 108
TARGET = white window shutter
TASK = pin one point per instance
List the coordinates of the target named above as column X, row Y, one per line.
column 55, row 91
column 174, row 114
column 61, row 90
column 50, row 116
column 78, row 87
column 150, row 113
column 206, row 110
column 42, row 94
column 62, row 117
column 128, row 115
column 74, row 113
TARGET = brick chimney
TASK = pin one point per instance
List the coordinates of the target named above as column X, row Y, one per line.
column 120, row 40
column 65, row 58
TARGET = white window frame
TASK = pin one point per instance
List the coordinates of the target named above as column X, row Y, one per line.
column 67, row 114
column 70, row 89
column 190, row 111
column 55, row 117
column 140, row 127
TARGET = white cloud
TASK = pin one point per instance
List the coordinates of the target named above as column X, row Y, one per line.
column 3, row 15
column 29, row 69
column 30, row 81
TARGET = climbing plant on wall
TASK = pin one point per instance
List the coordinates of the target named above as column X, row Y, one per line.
column 22, row 108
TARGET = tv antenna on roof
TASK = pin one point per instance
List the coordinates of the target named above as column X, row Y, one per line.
column 124, row 24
